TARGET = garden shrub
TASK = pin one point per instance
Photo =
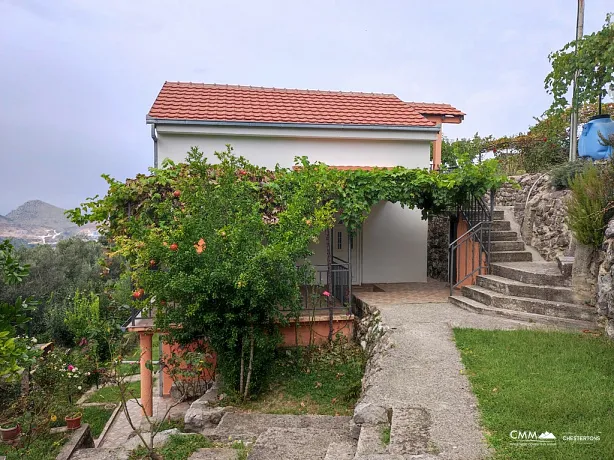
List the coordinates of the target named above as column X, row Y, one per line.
column 562, row 176
column 215, row 247
column 592, row 204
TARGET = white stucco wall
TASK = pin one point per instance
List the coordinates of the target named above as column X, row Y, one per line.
column 393, row 239
column 269, row 151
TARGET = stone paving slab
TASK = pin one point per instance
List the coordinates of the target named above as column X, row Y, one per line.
column 214, row 454
column 396, row 293
column 249, row 425
column 100, row 454
column 295, row 443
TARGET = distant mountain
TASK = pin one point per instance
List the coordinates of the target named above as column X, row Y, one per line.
column 37, row 222
column 40, row 214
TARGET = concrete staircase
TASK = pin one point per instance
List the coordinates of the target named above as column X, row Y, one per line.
column 520, row 288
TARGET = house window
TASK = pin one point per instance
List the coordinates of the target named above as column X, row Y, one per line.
column 339, row 240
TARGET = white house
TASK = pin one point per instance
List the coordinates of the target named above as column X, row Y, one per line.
column 272, row 126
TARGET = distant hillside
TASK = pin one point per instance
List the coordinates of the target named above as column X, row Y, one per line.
column 40, row 214
column 37, row 222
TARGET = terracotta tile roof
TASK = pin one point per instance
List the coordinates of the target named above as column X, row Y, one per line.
column 206, row 102
column 433, row 108
column 358, row 168
column 351, row 168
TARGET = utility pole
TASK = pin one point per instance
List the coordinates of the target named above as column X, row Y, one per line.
column 573, row 132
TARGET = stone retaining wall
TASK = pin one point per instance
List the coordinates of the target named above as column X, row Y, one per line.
column 374, row 338
column 437, row 252
column 605, row 283
column 541, row 212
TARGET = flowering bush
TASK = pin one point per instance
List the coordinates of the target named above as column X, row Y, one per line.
column 59, row 374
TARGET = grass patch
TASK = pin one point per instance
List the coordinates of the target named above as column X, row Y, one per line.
column 542, row 381
column 385, row 435
column 97, row 417
column 45, row 447
column 178, row 447
column 327, row 381
column 155, row 350
column 110, row 394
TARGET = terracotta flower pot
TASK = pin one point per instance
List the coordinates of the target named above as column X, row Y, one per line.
column 8, row 434
column 73, row 422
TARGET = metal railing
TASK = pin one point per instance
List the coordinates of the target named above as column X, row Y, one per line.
column 469, row 254
column 136, row 314
column 340, row 291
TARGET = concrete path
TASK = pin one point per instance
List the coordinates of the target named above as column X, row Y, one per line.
column 424, row 370
column 120, row 431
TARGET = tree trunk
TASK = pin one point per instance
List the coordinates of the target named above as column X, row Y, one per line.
column 329, row 282
column 242, row 365
column 251, row 360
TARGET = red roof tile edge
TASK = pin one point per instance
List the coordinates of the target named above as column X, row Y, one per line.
column 247, row 104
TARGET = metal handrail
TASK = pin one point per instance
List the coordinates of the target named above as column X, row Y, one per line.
column 480, row 234
column 479, row 216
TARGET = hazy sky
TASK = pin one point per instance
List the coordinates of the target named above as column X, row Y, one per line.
column 78, row 76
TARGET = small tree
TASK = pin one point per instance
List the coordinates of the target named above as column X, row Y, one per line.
column 592, row 58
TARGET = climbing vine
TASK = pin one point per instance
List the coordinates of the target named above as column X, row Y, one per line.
column 216, row 248
column 592, row 57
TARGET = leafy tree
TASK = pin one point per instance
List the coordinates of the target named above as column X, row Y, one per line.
column 219, row 250
column 16, row 352
column 452, row 150
column 56, row 274
column 592, row 58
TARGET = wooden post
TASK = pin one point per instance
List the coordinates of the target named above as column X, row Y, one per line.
column 437, row 143
column 145, row 339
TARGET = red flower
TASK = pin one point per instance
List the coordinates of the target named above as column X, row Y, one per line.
column 326, row 293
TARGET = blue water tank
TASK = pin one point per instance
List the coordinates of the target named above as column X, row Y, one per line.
column 590, row 144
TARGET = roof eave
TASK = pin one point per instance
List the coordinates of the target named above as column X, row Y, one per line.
column 257, row 124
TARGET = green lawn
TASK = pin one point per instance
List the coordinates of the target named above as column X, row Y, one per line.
column 97, row 418
column 110, row 394
column 45, row 447
column 328, row 383
column 539, row 381
column 178, row 447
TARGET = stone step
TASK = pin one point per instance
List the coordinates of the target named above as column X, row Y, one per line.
column 214, row 453
column 409, row 432
column 247, row 426
column 477, row 307
column 497, row 214
column 500, row 226
column 516, row 288
column 511, row 256
column 498, row 246
column 100, row 453
column 503, row 236
column 344, row 450
column 370, row 441
column 295, row 443
column 528, row 305
column 542, row 273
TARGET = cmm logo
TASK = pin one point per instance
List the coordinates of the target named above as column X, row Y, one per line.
column 532, row 436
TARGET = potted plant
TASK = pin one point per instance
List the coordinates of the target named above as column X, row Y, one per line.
column 73, row 420
column 10, row 431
